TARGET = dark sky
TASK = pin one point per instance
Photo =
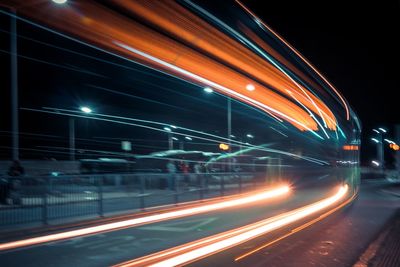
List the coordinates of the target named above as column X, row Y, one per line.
column 355, row 44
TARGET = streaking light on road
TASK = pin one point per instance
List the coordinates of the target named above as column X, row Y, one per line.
column 199, row 249
column 222, row 204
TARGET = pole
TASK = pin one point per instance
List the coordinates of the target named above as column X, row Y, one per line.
column 14, row 86
column 229, row 115
column 381, row 155
column 170, row 142
column 72, row 139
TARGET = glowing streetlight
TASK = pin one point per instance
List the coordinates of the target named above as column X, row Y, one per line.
column 375, row 163
column 249, row 136
column 375, row 140
column 250, row 87
column 86, row 110
column 383, row 130
column 188, row 138
column 59, row 2
column 208, row 90
column 167, row 129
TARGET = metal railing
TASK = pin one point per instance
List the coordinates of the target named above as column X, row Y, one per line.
column 70, row 198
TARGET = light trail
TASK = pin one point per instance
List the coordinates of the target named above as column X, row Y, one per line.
column 199, row 249
column 234, row 202
column 113, row 29
column 299, row 55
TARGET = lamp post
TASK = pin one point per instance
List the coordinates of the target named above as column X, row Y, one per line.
column 380, row 148
column 71, row 123
column 14, row 79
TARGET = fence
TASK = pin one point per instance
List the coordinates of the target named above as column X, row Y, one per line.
column 57, row 199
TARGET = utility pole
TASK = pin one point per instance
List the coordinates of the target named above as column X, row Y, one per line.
column 14, row 85
column 71, row 139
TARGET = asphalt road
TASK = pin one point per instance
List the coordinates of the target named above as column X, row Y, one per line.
column 336, row 241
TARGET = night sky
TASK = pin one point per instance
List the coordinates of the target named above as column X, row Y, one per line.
column 355, row 44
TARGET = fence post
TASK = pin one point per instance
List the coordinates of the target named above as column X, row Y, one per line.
column 44, row 202
column 142, row 188
column 222, row 185
column 100, row 196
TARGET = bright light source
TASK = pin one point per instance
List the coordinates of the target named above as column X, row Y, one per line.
column 223, row 146
column 250, row 87
column 395, row 146
column 383, row 130
column 375, row 163
column 59, row 1
column 389, row 141
column 249, row 135
column 375, row 130
column 167, row 129
column 173, row 126
column 375, row 140
column 188, row 138
column 232, row 136
column 175, row 139
column 86, row 110
column 208, row 90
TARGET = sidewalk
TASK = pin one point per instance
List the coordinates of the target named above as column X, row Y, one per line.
column 385, row 250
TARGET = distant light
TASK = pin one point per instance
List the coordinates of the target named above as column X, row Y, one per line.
column 59, row 1
column 375, row 140
column 188, row 138
column 167, row 129
column 175, row 139
column 250, row 87
column 249, row 135
column 173, row 126
column 374, row 162
column 395, row 146
column 208, row 90
column 223, row 146
column 375, row 130
column 383, row 130
column 232, row 136
column 86, row 109
column 389, row 141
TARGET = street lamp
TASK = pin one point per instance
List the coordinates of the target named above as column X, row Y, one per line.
column 208, row 90
column 59, row 2
column 250, row 87
column 85, row 110
column 380, row 148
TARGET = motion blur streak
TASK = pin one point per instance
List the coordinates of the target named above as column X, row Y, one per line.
column 299, row 55
column 216, row 56
column 236, row 201
column 205, row 247
column 326, row 214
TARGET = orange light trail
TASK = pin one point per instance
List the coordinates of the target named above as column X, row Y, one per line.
column 224, row 204
column 299, row 55
column 202, row 49
column 196, row 250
